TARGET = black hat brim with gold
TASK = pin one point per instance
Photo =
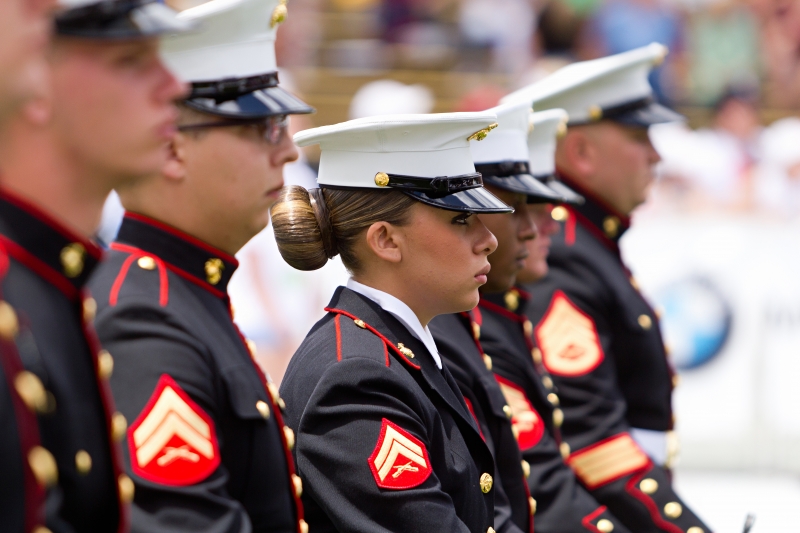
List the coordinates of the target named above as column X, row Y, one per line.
column 120, row 20
column 569, row 196
column 514, row 176
column 477, row 200
column 647, row 115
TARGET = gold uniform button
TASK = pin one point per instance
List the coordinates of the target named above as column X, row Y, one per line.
column 41, row 529
column 486, row 482
column 83, row 462
column 559, row 214
column 9, row 324
column 507, row 410
column 476, row 330
column 536, row 353
column 645, row 322
column 263, row 409
column 673, row 510
column 252, row 347
column 126, row 488
column 511, row 300
column 273, row 391
column 89, row 309
column 487, row 361
column 695, row 529
column 72, row 259
column 634, row 283
column 558, row 417
column 214, row 268
column 515, row 431
column 105, row 364
column 648, row 485
column 298, row 485
column 527, row 328
column 553, row 398
column 43, row 465
column 30, row 389
column 146, row 262
column 303, row 526
column 611, row 226
column 676, row 380
column 490, row 530
column 360, row 323
column 289, row 434
column 119, row 425
column 526, row 468
column 532, row 505
column 547, row 381
column 605, row 526
column 564, row 449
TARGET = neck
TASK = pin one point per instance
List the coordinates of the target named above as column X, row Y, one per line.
column 34, row 168
column 402, row 293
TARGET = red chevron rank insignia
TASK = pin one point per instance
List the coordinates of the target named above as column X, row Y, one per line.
column 526, row 423
column 173, row 441
column 400, row 460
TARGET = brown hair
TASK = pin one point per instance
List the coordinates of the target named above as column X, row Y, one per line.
column 316, row 225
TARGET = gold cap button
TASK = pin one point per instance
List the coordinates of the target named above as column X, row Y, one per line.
column 559, row 214
column 9, row 324
column 146, row 262
column 298, row 485
column 119, row 425
column 43, row 465
column 507, row 410
column 648, row 485
column 30, row 389
column 526, row 468
column 487, row 361
column 126, row 488
column 289, row 434
column 214, row 268
column 72, row 259
column 645, row 321
column 536, row 353
column 605, row 526
column 553, row 398
column 564, row 449
column 558, row 417
column 303, row 526
column 89, row 309
column 532, row 505
column 360, row 323
column 381, row 179
column 695, row 529
column 547, row 381
column 105, row 364
column 595, row 112
column 486, row 482
column 673, row 509
column 263, row 409
column 83, row 462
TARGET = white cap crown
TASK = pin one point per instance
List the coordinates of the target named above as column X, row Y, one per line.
column 546, row 128
column 509, row 141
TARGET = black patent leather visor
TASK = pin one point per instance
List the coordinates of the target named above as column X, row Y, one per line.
column 570, row 196
column 477, row 200
column 648, row 115
column 119, row 20
column 535, row 191
column 259, row 103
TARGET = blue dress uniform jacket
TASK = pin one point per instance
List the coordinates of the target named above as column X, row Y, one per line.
column 457, row 339
column 207, row 448
column 600, row 341
column 385, row 441
column 563, row 505
column 65, row 380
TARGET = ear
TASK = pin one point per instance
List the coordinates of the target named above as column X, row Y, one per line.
column 580, row 152
column 384, row 240
column 175, row 167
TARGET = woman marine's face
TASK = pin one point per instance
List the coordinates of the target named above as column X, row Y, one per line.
column 446, row 258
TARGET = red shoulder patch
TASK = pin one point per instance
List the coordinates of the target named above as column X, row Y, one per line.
column 527, row 424
column 568, row 339
column 399, row 460
column 173, row 441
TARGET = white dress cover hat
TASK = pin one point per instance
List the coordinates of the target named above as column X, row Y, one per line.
column 613, row 88
column 545, row 129
column 502, row 159
column 231, row 62
column 425, row 156
column 116, row 19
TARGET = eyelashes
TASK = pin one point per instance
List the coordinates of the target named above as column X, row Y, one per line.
column 462, row 218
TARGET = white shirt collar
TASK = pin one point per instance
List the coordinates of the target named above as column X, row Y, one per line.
column 401, row 312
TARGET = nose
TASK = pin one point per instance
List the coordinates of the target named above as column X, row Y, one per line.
column 285, row 151
column 527, row 225
column 547, row 225
column 486, row 243
column 653, row 156
column 171, row 89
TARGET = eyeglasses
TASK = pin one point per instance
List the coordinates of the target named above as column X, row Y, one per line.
column 271, row 129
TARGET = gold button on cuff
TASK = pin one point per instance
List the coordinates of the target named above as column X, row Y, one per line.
column 381, row 179
column 487, row 361
column 527, row 328
column 507, row 410
column 405, row 351
column 72, row 257
column 105, row 364
column 536, row 353
column 126, row 488
column 673, row 509
column 547, row 381
column 558, row 417
column 263, row 409
column 645, row 322
column 564, row 449
column 43, row 465
column 146, row 262
column 526, row 468
column 648, row 485
column 360, row 323
column 89, row 309
column 605, row 526
column 289, row 434
column 486, row 482
column 532, row 505
column 559, row 214
column 119, row 425
column 695, row 529
column 303, row 526
column 553, row 398
column 83, row 462
column 476, row 330
column 298, row 485
column 9, row 324
column 30, row 389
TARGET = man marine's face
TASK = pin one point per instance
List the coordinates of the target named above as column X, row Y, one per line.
column 25, row 27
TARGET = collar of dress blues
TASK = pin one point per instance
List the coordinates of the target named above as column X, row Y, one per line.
column 47, row 247
column 187, row 256
column 604, row 222
column 401, row 312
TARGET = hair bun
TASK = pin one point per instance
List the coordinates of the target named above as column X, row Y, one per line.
column 323, row 216
column 297, row 229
